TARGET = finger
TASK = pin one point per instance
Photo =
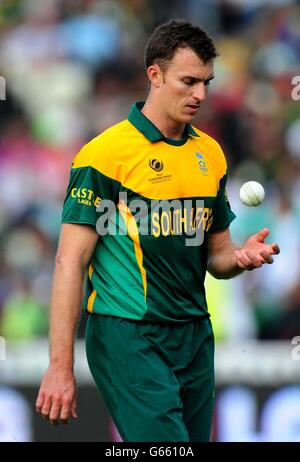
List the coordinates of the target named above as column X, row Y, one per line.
column 255, row 259
column 45, row 411
column 55, row 411
column 275, row 249
column 262, row 234
column 243, row 261
column 74, row 409
column 39, row 402
column 65, row 410
column 266, row 257
column 54, row 422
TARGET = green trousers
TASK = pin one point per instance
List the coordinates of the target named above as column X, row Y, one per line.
column 157, row 380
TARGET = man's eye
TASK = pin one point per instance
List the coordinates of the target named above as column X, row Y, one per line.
column 208, row 81
column 188, row 82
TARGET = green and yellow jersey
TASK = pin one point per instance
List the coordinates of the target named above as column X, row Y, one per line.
column 145, row 265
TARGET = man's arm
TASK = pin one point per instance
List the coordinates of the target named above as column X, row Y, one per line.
column 226, row 259
column 57, row 395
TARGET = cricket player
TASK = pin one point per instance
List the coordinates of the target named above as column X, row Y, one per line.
column 146, row 214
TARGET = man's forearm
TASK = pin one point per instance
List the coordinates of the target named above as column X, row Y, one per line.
column 65, row 311
column 223, row 265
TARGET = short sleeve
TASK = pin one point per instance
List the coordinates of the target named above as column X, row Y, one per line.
column 87, row 187
column 222, row 213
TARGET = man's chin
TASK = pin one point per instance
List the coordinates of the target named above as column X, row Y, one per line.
column 184, row 118
column 187, row 118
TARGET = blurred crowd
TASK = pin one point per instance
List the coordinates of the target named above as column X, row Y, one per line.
column 74, row 67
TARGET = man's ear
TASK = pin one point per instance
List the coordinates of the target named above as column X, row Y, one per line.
column 155, row 75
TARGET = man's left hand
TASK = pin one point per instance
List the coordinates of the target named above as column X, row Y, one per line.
column 255, row 252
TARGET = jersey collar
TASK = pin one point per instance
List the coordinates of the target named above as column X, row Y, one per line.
column 150, row 131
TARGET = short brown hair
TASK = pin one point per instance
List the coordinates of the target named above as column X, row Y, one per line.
column 175, row 34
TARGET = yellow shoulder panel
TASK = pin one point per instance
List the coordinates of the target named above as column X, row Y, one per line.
column 155, row 170
column 104, row 152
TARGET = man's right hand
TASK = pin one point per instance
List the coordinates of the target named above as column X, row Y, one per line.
column 56, row 400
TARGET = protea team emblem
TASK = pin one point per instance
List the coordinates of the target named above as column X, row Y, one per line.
column 201, row 162
column 156, row 165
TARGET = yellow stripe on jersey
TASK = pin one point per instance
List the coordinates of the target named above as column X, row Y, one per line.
column 91, row 300
column 91, row 270
column 92, row 297
column 133, row 233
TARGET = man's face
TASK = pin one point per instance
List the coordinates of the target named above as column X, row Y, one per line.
column 184, row 85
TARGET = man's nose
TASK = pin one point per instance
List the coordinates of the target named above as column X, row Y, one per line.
column 200, row 91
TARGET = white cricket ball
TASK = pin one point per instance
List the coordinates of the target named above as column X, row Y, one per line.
column 252, row 193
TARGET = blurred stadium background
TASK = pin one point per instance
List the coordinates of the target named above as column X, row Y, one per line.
column 72, row 68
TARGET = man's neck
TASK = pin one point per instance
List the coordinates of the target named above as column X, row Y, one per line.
column 169, row 128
